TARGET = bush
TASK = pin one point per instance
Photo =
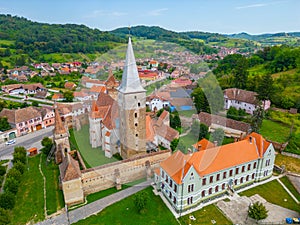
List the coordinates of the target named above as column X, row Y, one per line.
column 2, row 170
column 4, row 217
column 140, row 200
column 7, row 200
column 19, row 155
column 47, row 144
column 258, row 211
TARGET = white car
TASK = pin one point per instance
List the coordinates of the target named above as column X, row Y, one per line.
column 11, row 142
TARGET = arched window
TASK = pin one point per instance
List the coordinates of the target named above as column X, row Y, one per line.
column 254, row 165
column 217, row 189
column 247, row 177
column 203, row 193
column 223, row 186
column 210, row 191
column 253, row 175
column 242, row 180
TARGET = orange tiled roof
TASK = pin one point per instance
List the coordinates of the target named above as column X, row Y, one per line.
column 215, row 159
column 150, row 133
column 98, row 89
column 59, row 127
column 204, row 143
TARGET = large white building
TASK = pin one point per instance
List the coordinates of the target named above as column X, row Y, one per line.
column 186, row 181
column 242, row 99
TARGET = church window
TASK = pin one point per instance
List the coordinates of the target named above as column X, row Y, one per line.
column 139, row 104
column 135, row 124
column 134, row 97
column 135, row 115
column 136, row 135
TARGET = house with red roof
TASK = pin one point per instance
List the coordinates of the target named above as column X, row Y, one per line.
column 187, row 180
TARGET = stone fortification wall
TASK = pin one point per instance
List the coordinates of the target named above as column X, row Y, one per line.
column 107, row 176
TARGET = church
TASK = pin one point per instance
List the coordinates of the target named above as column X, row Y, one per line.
column 118, row 125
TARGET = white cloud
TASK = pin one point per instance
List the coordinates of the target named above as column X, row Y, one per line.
column 100, row 13
column 157, row 12
column 259, row 5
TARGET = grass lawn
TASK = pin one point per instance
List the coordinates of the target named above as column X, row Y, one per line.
column 187, row 113
column 205, row 216
column 55, row 199
column 124, row 212
column 291, row 164
column 30, row 197
column 101, row 194
column 188, row 140
column 151, row 87
column 274, row 193
column 285, row 180
column 275, row 131
column 92, row 156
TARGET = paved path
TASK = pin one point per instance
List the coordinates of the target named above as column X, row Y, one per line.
column 288, row 191
column 94, row 207
column 295, row 179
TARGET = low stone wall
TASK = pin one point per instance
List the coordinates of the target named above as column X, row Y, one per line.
column 109, row 175
column 291, row 155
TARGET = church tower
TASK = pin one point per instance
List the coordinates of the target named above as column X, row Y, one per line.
column 61, row 139
column 132, row 109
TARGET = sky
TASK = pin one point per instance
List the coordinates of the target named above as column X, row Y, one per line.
column 220, row 16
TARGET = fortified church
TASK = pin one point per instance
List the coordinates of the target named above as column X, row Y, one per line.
column 118, row 125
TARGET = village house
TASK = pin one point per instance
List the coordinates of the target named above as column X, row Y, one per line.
column 182, row 81
column 242, row 99
column 58, row 97
column 155, row 102
column 187, row 181
column 70, row 85
column 88, row 82
column 25, row 120
column 159, row 132
column 232, row 128
column 23, row 88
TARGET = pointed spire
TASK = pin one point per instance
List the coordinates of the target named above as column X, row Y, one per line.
column 59, row 127
column 130, row 78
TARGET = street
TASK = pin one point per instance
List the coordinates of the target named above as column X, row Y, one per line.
column 30, row 140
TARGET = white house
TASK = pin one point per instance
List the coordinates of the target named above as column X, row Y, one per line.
column 186, row 181
column 242, row 99
column 156, row 103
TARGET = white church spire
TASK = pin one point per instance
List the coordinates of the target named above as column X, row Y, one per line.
column 130, row 78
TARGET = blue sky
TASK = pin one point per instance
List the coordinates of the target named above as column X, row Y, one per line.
column 222, row 16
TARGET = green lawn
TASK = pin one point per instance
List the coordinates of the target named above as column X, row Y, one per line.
column 285, row 180
column 55, row 199
column 151, row 88
column 205, row 216
column 188, row 140
column 101, row 194
column 124, row 212
column 291, row 164
column 275, row 131
column 92, row 156
column 30, row 197
column 187, row 113
column 274, row 193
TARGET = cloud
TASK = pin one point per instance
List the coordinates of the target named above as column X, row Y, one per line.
column 251, row 6
column 100, row 13
column 259, row 5
column 157, row 12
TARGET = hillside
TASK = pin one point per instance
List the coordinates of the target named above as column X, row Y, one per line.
column 291, row 39
column 160, row 34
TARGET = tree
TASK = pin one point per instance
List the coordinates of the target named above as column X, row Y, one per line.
column 47, row 144
column 240, row 73
column 232, row 113
column 19, row 155
column 7, row 200
column 265, row 88
column 11, row 185
column 173, row 144
column 4, row 125
column 258, row 211
column 140, row 200
column 68, row 95
column 4, row 217
column 14, row 173
column 218, row 136
column 257, row 119
column 19, row 166
column 200, row 100
column 2, row 170
column 35, row 103
column 195, row 129
column 203, row 131
column 175, row 121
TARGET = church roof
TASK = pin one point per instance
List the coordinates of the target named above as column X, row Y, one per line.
column 130, row 78
column 59, row 127
column 69, row 169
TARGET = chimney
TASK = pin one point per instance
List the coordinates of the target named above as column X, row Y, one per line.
column 199, row 147
column 215, row 143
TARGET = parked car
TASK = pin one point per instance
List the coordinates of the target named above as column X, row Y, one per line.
column 11, row 142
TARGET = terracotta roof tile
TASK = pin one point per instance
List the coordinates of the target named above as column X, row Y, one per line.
column 241, row 95
column 203, row 144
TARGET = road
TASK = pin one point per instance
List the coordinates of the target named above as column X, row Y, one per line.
column 27, row 141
